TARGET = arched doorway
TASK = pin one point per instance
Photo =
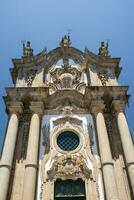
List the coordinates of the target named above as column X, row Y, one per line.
column 69, row 190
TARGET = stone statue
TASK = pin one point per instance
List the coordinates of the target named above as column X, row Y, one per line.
column 65, row 42
column 27, row 50
column 103, row 50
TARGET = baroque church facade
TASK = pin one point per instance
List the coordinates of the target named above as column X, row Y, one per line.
column 67, row 136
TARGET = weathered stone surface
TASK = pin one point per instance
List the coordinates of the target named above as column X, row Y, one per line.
column 59, row 91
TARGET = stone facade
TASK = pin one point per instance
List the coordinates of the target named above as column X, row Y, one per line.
column 67, row 135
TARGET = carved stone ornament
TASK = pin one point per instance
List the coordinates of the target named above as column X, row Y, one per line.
column 66, row 76
column 103, row 76
column 69, row 167
column 67, row 110
column 30, row 77
column 71, row 120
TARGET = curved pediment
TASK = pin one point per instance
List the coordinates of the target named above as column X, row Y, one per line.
column 64, row 52
column 47, row 59
column 36, row 67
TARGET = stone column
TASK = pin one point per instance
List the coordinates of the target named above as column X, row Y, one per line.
column 8, row 149
column 105, row 152
column 126, row 139
column 32, row 152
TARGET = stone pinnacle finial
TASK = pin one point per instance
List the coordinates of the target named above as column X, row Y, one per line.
column 103, row 50
column 65, row 41
column 27, row 50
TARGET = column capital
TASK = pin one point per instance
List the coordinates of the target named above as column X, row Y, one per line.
column 15, row 107
column 37, row 107
column 97, row 106
column 118, row 105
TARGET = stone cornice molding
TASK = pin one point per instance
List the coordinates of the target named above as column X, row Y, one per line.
column 97, row 106
column 94, row 92
column 15, row 107
column 118, row 106
column 38, row 93
column 61, row 98
column 65, row 98
column 37, row 107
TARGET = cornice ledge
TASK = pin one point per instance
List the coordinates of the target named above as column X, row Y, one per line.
column 31, row 92
column 94, row 92
column 37, row 107
column 118, row 105
column 96, row 106
column 14, row 107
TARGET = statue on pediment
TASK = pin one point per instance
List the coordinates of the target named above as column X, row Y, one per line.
column 27, row 49
column 65, row 41
column 103, row 50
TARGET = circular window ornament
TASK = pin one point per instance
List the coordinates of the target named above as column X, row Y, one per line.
column 68, row 141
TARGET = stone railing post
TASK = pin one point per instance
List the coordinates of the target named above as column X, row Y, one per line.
column 9, row 146
column 32, row 152
column 97, row 107
column 126, row 138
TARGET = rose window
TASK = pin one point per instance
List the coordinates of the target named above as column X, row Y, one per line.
column 68, row 141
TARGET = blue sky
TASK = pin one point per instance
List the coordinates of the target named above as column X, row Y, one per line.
column 44, row 22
